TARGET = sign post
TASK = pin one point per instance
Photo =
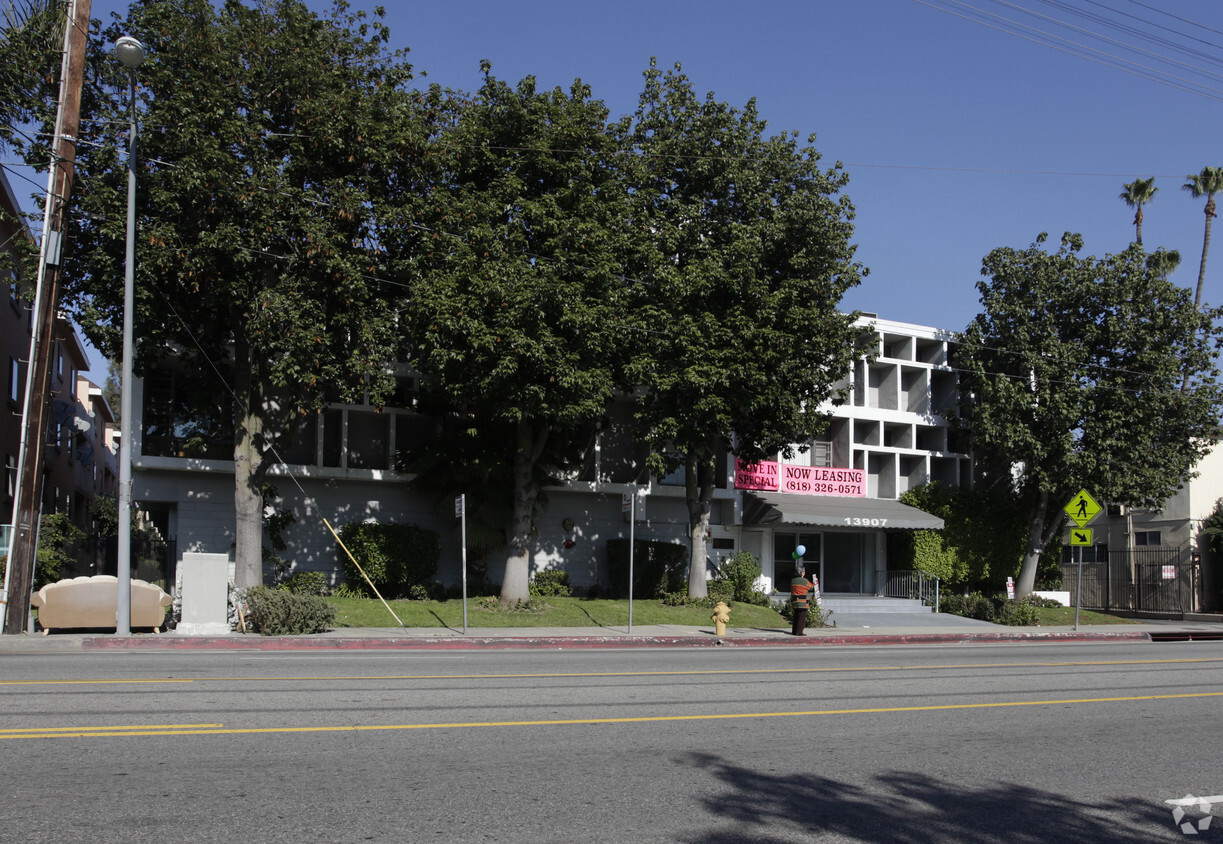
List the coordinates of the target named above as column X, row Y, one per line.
column 460, row 510
column 1082, row 510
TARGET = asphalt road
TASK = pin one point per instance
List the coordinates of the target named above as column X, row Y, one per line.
column 1006, row 743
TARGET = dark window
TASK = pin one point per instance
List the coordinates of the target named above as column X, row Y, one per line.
column 1146, row 537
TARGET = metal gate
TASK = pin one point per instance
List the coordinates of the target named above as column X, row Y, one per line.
column 1155, row 580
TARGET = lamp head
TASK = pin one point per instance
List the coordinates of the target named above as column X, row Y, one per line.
column 130, row 52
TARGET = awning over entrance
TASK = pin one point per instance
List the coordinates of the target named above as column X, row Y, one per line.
column 779, row 508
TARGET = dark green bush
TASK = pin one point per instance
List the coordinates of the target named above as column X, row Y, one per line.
column 307, row 583
column 277, row 612
column 742, row 572
column 1021, row 613
column 658, row 567
column 973, row 605
column 396, row 557
column 550, row 583
column 817, row 616
column 720, row 590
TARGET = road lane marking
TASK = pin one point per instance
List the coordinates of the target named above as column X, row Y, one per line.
column 5, row 731
column 90, row 682
column 111, row 732
column 587, row 674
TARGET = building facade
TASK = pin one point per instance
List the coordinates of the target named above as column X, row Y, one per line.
column 342, row 467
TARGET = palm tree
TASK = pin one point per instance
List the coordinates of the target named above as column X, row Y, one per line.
column 1137, row 194
column 1207, row 183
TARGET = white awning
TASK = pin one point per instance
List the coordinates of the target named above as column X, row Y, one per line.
column 779, row 508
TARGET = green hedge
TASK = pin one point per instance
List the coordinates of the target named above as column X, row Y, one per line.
column 396, row 557
column 658, row 567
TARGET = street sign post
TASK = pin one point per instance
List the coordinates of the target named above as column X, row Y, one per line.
column 1082, row 510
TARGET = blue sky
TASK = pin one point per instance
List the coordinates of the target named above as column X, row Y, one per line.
column 959, row 137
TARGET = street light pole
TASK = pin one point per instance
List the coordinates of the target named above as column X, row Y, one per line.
column 131, row 53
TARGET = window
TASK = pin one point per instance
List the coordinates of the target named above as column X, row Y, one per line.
column 10, row 476
column 14, row 380
column 784, row 546
column 1147, row 537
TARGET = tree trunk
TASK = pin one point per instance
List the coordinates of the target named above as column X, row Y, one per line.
column 1039, row 536
column 515, row 585
column 248, row 471
column 1210, row 215
column 698, row 487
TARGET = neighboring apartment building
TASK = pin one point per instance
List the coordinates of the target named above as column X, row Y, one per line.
column 78, row 463
column 889, row 437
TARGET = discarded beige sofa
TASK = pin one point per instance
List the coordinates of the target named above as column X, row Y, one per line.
column 93, row 602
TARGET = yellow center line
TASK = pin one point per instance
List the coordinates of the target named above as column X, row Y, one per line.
column 587, row 674
column 115, row 732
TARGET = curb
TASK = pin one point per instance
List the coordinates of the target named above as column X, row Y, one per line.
column 304, row 643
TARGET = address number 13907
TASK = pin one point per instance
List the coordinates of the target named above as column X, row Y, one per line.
column 858, row 521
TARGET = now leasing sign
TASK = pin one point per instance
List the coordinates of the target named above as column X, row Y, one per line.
column 768, row 476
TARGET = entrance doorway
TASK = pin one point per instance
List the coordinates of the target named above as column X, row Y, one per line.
column 784, row 545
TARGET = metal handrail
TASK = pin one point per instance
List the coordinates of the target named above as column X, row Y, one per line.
column 913, row 584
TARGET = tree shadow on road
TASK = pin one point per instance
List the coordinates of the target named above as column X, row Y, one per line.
column 904, row 807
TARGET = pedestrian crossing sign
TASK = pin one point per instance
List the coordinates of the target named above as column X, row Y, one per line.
column 1082, row 509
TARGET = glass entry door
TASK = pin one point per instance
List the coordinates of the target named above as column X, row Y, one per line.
column 784, row 545
column 843, row 560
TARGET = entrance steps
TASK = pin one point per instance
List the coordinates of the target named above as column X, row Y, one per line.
column 869, row 604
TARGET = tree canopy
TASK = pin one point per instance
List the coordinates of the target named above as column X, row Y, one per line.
column 736, row 288
column 515, row 265
column 266, row 132
column 1071, row 378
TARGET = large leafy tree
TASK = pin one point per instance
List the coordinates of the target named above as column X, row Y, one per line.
column 1071, row 377
column 266, row 132
column 515, row 260
column 736, row 290
column 1207, row 183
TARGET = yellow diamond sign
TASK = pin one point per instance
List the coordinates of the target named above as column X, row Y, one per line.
column 1082, row 508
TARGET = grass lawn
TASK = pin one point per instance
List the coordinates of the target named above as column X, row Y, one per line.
column 554, row 612
column 1064, row 617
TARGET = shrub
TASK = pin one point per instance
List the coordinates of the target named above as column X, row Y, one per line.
column 720, row 590
column 817, row 616
column 553, row 582
column 277, row 612
column 742, row 572
column 1021, row 613
column 57, row 539
column 395, row 557
column 307, row 583
column 658, row 567
column 1039, row 601
column 973, row 605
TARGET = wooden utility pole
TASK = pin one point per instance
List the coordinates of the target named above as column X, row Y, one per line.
column 27, row 506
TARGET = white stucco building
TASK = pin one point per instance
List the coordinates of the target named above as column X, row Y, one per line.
column 890, row 436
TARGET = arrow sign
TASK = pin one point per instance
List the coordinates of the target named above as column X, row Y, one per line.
column 1081, row 536
column 1082, row 509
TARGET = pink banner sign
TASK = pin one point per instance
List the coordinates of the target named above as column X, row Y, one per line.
column 817, row 480
column 764, row 476
column 767, row 476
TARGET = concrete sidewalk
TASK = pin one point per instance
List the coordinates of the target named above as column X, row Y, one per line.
column 851, row 629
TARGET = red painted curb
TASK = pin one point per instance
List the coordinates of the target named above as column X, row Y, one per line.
column 298, row 643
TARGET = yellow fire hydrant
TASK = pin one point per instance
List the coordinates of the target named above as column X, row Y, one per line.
column 721, row 615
